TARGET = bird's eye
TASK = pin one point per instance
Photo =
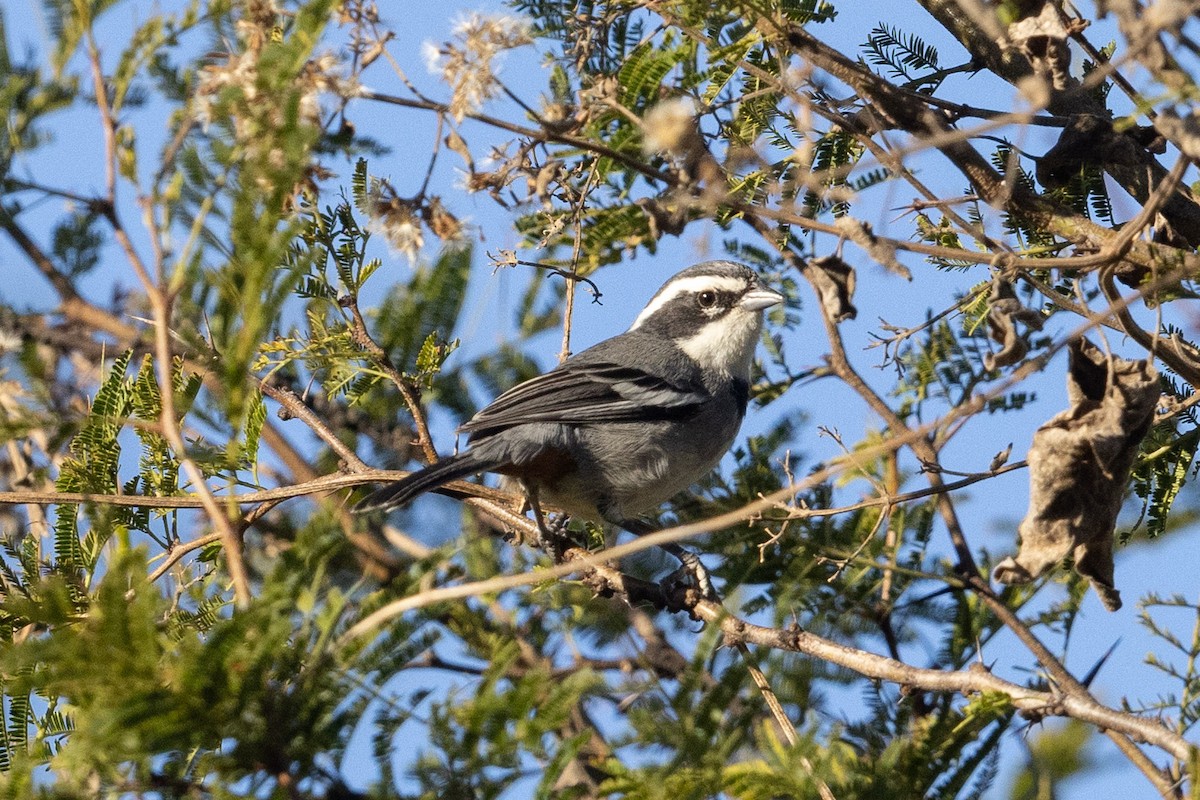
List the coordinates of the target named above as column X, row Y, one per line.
column 707, row 299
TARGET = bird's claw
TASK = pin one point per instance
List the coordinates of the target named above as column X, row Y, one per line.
column 553, row 536
column 691, row 572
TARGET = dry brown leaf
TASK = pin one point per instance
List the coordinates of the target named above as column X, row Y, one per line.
column 834, row 281
column 1043, row 40
column 1004, row 312
column 1078, row 468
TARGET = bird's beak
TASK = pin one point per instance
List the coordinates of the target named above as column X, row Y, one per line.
column 760, row 298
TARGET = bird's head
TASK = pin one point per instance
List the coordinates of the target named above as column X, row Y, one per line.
column 713, row 312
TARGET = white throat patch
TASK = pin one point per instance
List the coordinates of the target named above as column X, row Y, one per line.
column 717, row 283
column 726, row 345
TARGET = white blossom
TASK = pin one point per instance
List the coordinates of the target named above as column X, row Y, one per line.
column 670, row 127
column 469, row 64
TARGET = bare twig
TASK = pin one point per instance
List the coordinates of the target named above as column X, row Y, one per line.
column 181, row 549
column 408, row 391
column 297, row 408
column 781, row 718
column 160, row 302
column 538, row 134
column 320, row 485
column 973, row 680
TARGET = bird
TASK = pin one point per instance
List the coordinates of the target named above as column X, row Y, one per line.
column 616, row 430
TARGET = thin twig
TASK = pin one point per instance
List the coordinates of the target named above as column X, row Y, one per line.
column 321, row 485
column 160, row 302
column 1165, row 787
column 781, row 717
column 916, row 494
column 297, row 408
column 508, row 258
column 537, row 134
column 576, row 249
column 925, row 450
column 411, row 394
column 768, row 694
column 974, row 679
column 181, row 549
column 951, row 139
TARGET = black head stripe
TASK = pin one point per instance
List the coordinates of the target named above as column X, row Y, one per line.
column 682, row 315
column 678, row 298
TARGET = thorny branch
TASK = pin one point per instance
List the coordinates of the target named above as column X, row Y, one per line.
column 974, row 680
column 1076, row 700
column 295, row 407
column 919, row 678
column 1077, row 703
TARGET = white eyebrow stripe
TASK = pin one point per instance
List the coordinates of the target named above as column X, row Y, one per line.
column 717, row 283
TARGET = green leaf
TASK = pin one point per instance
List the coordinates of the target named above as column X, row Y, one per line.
column 644, row 71
column 429, row 303
column 256, row 418
column 727, row 60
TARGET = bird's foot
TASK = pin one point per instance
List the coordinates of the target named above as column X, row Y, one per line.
column 553, row 535
column 691, row 572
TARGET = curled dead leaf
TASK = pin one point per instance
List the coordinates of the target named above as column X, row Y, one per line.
column 1184, row 131
column 663, row 217
column 1004, row 312
column 1043, row 40
column 880, row 250
column 833, row 280
column 456, row 143
column 1078, row 467
column 444, row 225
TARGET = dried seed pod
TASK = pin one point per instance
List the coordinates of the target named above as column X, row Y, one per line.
column 882, row 251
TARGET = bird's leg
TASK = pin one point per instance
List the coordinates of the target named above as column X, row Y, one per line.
column 551, row 535
column 690, row 564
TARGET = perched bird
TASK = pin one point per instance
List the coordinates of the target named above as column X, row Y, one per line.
column 616, row 430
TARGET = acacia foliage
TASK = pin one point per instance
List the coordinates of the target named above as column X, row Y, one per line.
column 162, row 639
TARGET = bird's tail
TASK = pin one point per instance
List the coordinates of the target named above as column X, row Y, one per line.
column 402, row 492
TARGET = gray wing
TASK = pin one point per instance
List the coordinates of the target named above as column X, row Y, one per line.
column 594, row 388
